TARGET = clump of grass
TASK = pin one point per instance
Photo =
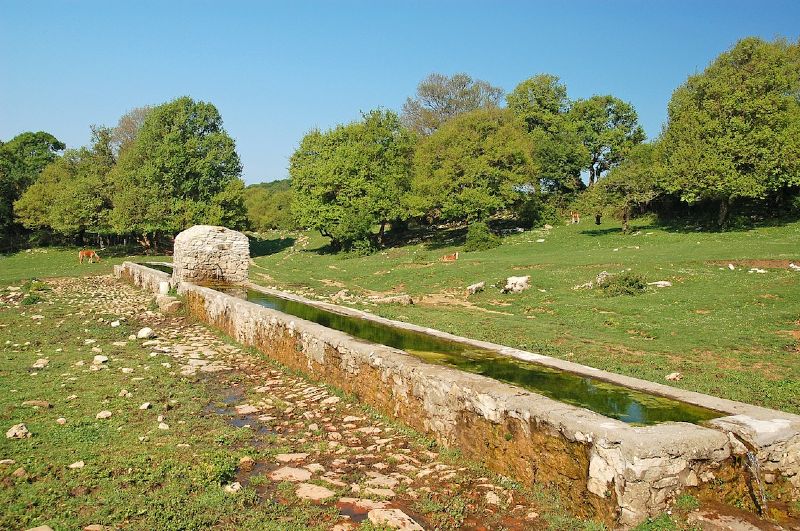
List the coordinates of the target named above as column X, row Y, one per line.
column 624, row 284
column 30, row 298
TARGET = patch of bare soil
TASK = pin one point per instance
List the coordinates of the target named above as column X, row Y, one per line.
column 331, row 283
column 447, row 299
column 761, row 263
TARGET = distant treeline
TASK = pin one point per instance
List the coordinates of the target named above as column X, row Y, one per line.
column 460, row 152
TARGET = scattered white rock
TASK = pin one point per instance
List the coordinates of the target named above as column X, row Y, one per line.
column 246, row 409
column 146, row 405
column 145, row 333
column 105, row 414
column 100, row 359
column 330, row 401
column 163, row 426
column 394, row 518
column 233, row 488
column 18, row 431
column 731, row 267
column 61, row 421
column 674, row 377
column 97, row 350
column 76, row 465
column 307, row 491
column 7, row 462
column 492, row 498
column 127, row 370
column 516, row 284
column 475, row 288
column 115, row 324
column 661, row 284
column 288, row 473
column 794, row 267
column 41, row 363
column 124, row 394
column 288, row 458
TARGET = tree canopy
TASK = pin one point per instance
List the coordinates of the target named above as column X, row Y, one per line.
column 21, row 161
column 632, row 184
column 541, row 102
column 181, row 170
column 734, row 129
column 73, row 193
column 473, row 166
column 353, row 177
column 440, row 98
column 608, row 128
column 269, row 205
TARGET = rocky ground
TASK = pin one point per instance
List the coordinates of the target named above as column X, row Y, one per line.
column 301, row 442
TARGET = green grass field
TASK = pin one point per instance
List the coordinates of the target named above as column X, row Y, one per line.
column 59, row 262
column 732, row 334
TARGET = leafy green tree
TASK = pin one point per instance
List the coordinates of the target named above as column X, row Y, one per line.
column 473, row 166
column 269, row 205
column 440, row 98
column 734, row 129
column 631, row 185
column 608, row 128
column 180, row 171
column 542, row 103
column 72, row 196
column 21, row 160
column 353, row 177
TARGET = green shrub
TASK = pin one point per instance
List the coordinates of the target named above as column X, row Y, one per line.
column 480, row 238
column 30, row 298
column 624, row 284
column 361, row 248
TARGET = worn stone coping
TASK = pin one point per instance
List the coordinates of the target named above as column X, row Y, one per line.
column 764, row 425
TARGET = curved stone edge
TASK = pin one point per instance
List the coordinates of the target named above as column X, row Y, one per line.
column 605, row 468
column 210, row 252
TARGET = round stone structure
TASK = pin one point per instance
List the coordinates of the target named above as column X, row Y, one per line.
column 208, row 253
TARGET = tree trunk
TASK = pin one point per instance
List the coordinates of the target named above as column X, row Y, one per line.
column 724, row 206
column 591, row 175
column 625, row 217
column 381, row 232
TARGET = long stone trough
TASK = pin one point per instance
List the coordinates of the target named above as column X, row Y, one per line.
column 603, row 468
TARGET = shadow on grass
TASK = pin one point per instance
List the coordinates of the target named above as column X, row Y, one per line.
column 267, row 247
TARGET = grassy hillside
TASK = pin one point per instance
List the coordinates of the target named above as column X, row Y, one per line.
column 731, row 333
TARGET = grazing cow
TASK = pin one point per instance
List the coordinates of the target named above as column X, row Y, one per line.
column 450, row 257
column 576, row 217
column 89, row 255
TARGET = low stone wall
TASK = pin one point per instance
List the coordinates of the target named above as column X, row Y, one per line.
column 604, row 468
column 145, row 277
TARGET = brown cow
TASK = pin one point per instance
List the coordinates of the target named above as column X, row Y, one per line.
column 450, row 257
column 88, row 254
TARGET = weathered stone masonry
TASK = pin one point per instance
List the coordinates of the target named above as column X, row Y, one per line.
column 604, row 468
column 208, row 253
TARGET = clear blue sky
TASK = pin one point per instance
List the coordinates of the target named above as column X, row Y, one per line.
column 277, row 69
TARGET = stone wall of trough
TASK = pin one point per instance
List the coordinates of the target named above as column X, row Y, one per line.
column 603, row 468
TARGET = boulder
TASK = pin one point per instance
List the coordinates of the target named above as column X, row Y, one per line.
column 18, row 431
column 475, row 288
column 516, row 284
column 145, row 333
